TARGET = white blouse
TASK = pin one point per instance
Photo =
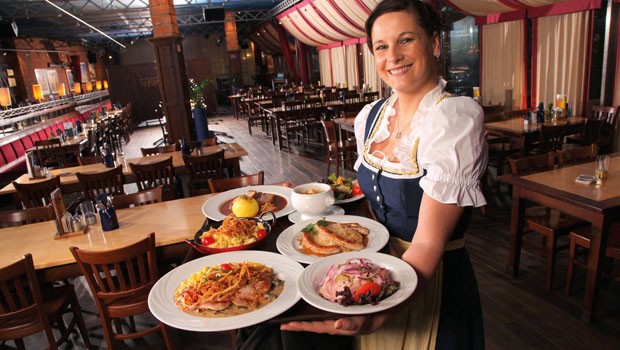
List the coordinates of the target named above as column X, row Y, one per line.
column 446, row 139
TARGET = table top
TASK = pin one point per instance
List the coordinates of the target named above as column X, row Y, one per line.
column 67, row 175
column 516, row 126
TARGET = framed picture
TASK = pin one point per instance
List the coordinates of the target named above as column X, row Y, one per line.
column 52, row 79
column 92, row 75
column 12, row 82
column 43, row 80
column 83, row 72
column 70, row 79
column 10, row 72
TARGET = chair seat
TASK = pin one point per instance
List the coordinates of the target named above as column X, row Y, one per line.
column 583, row 237
column 546, row 220
column 128, row 307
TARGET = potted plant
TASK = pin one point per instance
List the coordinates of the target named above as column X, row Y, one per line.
column 199, row 107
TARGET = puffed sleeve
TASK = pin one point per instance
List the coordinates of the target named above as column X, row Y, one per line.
column 359, row 128
column 453, row 151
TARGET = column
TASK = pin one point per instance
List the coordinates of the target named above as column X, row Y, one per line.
column 233, row 51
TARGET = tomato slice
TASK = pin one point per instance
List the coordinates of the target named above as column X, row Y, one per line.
column 207, row 240
column 356, row 190
column 225, row 267
column 369, row 288
column 260, row 234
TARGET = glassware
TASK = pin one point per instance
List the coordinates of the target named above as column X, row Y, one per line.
column 602, row 168
column 88, row 212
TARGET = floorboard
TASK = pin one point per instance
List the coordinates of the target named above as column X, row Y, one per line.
column 518, row 313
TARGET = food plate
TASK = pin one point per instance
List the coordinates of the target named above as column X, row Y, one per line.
column 161, row 297
column 352, row 199
column 211, row 208
column 288, row 241
column 296, row 216
column 311, row 277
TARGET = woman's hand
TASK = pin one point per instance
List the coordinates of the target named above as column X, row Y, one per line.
column 354, row 325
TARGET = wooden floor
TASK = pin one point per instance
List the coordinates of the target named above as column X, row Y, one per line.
column 518, row 313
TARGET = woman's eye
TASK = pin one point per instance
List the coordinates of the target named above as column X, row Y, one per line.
column 406, row 40
column 380, row 47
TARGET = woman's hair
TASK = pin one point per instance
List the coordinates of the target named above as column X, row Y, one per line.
column 426, row 16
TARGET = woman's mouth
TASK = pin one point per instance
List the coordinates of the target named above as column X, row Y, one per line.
column 399, row 70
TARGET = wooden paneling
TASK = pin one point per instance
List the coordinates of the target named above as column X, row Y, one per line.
column 139, row 85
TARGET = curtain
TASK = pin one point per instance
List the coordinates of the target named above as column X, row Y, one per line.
column 287, row 53
column 561, row 49
column 503, row 65
column 351, row 62
column 370, row 73
column 339, row 72
column 325, row 67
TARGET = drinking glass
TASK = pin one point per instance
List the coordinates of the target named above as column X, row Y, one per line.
column 88, row 212
column 602, row 168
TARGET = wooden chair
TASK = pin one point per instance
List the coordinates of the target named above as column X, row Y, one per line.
column 578, row 155
column 608, row 130
column 48, row 152
column 156, row 174
column 550, row 224
column 211, row 141
column 87, row 160
column 580, row 243
column 150, row 196
column 28, row 309
column 69, row 155
column 107, row 181
column 591, row 133
column 225, row 184
column 26, row 216
column 36, row 194
column 202, row 168
column 341, row 151
column 551, row 138
column 151, row 151
column 490, row 109
column 120, row 281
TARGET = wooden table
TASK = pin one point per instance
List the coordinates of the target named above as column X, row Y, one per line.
column 526, row 134
column 556, row 189
column 232, row 153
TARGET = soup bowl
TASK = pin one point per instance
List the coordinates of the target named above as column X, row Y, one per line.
column 312, row 199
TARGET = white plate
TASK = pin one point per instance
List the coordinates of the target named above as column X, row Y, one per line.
column 296, row 216
column 211, row 208
column 161, row 297
column 352, row 199
column 288, row 241
column 400, row 271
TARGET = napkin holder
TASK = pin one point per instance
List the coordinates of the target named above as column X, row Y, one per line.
column 64, row 228
column 34, row 171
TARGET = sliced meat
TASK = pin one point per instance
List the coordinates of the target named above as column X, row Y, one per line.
column 215, row 305
column 264, row 197
column 308, row 243
column 357, row 227
column 342, row 235
column 247, row 297
column 252, row 193
column 263, row 283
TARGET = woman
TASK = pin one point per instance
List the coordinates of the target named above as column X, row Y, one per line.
column 422, row 154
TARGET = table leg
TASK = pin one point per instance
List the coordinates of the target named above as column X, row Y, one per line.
column 516, row 231
column 596, row 259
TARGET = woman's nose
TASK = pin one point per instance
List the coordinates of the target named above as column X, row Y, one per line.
column 394, row 54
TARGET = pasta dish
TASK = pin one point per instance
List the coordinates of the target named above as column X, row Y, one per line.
column 228, row 289
column 233, row 232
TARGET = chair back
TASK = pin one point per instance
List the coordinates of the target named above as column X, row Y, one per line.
column 36, row 194
column 48, row 152
column 150, row 196
column 87, row 160
column 331, row 135
column 151, row 151
column 532, row 164
column 120, row 281
column 22, row 311
column 26, row 216
column 107, row 181
column 211, row 141
column 225, row 184
column 552, row 137
column 491, row 109
column 605, row 113
column 578, row 155
column 155, row 174
column 592, row 130
column 494, row 117
column 202, row 168
column 70, row 155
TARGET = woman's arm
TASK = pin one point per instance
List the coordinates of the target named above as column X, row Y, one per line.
column 435, row 226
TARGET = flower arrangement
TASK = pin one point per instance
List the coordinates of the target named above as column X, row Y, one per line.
column 197, row 93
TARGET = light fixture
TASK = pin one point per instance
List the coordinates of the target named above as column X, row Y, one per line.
column 62, row 90
column 90, row 26
column 88, row 87
column 105, row 84
column 5, row 97
column 37, row 92
column 77, row 88
column 98, row 85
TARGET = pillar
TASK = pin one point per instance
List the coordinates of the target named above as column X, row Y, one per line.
column 170, row 66
column 233, row 51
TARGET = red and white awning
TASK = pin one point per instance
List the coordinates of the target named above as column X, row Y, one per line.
column 267, row 39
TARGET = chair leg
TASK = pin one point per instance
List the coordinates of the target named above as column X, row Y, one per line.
column 328, row 159
column 166, row 335
column 571, row 265
column 551, row 243
column 19, row 343
column 77, row 315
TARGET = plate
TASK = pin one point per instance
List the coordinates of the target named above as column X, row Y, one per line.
column 352, row 199
column 288, row 241
column 211, row 208
column 400, row 271
column 296, row 216
column 161, row 297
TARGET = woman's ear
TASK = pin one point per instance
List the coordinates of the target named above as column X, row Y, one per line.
column 436, row 45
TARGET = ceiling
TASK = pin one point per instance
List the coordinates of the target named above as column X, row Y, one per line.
column 124, row 20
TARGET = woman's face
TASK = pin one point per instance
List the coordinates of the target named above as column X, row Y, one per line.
column 404, row 53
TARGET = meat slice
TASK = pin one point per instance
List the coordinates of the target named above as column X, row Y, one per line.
column 342, row 235
column 247, row 296
column 262, row 283
column 264, row 197
column 308, row 242
column 215, row 305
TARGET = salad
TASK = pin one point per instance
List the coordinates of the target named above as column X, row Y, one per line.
column 343, row 187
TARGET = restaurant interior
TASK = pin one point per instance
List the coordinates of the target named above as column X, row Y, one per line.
column 129, row 129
